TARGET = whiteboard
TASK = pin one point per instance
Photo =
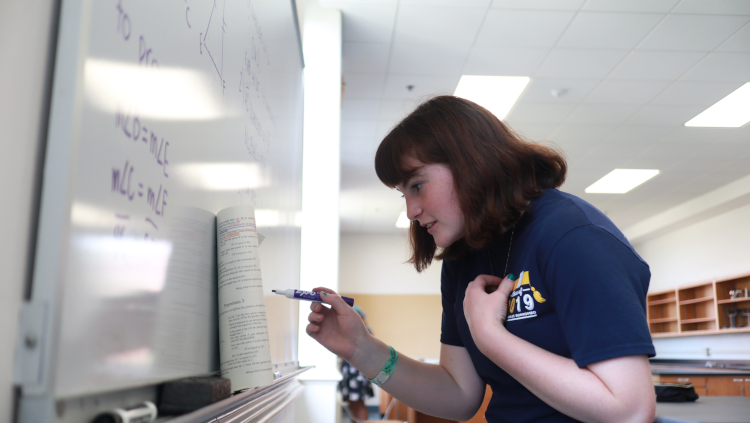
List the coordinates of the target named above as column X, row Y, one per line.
column 163, row 113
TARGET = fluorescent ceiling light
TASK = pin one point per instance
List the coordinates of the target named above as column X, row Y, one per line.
column 620, row 181
column 403, row 221
column 495, row 93
column 731, row 111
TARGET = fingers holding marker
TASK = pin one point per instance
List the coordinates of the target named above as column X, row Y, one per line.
column 312, row 329
column 316, row 317
column 330, row 296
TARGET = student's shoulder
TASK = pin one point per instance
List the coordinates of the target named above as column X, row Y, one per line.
column 565, row 212
column 561, row 214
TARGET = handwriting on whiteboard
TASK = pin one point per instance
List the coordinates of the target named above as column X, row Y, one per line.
column 139, row 176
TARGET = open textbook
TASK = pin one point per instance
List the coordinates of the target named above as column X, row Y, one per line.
column 244, row 347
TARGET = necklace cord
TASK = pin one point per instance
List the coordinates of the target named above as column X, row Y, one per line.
column 510, row 245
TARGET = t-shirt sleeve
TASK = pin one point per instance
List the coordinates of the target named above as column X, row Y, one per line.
column 449, row 329
column 599, row 286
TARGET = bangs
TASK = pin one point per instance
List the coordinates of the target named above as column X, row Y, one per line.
column 389, row 159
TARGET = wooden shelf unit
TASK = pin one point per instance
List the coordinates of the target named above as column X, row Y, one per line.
column 662, row 311
column 700, row 309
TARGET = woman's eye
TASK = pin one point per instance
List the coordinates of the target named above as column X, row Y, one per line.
column 416, row 187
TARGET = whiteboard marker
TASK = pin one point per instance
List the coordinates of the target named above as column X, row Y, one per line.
column 296, row 294
column 144, row 412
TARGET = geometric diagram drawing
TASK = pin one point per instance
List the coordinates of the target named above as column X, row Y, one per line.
column 214, row 44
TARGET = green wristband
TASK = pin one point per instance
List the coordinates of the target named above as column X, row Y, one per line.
column 384, row 374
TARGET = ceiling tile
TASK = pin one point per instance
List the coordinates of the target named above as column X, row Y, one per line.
column 722, row 67
column 696, row 93
column 396, row 86
column 653, row 6
column 359, row 169
column 437, row 25
column 621, row 151
column 717, row 7
column 739, row 42
column 395, row 110
column 522, row 28
column 538, row 4
column 539, row 113
column 639, row 134
column 570, row 132
column 669, row 150
column 733, row 156
column 382, row 129
column 358, row 128
column 656, row 65
column 665, row 115
column 357, row 145
column 739, row 135
column 540, row 90
column 565, row 63
column 357, row 108
column 342, row 4
column 447, row 3
column 364, row 57
column 627, row 92
column 351, row 205
column 370, row 23
column 427, row 59
column 576, row 150
column 598, row 114
column 693, row 135
column 503, row 61
column 693, row 32
column 363, row 85
column 608, row 30
column 644, row 161
column 533, row 131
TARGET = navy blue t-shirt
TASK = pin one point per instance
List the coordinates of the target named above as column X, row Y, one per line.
column 580, row 294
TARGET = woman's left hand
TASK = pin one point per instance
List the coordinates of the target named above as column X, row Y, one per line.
column 486, row 305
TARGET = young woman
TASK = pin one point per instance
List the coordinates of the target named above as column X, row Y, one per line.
column 543, row 297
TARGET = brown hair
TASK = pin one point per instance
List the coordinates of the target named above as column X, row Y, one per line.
column 495, row 172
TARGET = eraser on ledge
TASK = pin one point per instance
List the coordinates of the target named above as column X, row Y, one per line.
column 189, row 394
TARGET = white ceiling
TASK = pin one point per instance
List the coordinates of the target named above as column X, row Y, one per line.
column 635, row 71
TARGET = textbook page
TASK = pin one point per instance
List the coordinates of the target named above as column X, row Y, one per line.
column 244, row 347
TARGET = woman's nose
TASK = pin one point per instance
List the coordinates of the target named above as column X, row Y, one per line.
column 413, row 210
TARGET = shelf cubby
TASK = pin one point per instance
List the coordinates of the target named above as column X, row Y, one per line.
column 733, row 311
column 662, row 312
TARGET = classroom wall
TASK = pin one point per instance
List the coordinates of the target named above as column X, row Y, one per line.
column 403, row 307
column 714, row 248
column 376, row 264
column 27, row 31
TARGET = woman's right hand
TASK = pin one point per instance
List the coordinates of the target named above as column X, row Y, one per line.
column 339, row 328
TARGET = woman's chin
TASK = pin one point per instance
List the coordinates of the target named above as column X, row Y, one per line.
column 444, row 243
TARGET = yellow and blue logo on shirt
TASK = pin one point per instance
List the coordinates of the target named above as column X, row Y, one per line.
column 523, row 299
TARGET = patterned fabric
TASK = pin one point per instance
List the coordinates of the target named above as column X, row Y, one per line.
column 354, row 386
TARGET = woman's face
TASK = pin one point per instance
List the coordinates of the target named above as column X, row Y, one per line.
column 431, row 200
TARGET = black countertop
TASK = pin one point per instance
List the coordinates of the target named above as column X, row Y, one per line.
column 705, row 410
